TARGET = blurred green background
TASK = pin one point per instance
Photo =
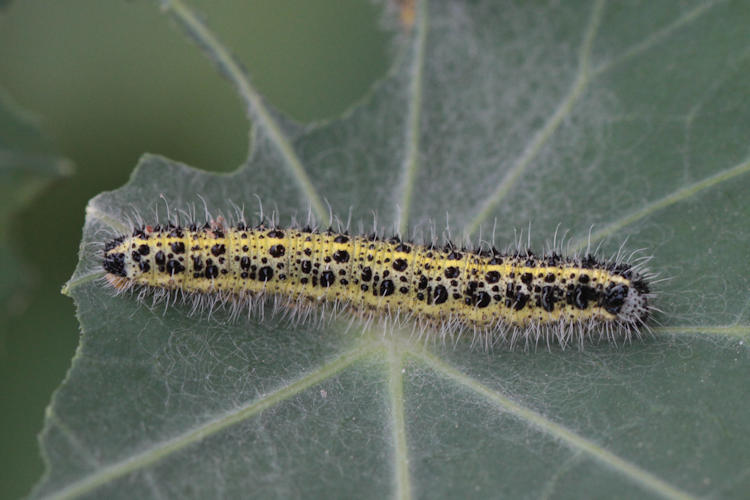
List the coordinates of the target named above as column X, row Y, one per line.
column 112, row 79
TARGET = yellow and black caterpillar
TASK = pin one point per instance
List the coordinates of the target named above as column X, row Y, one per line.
column 505, row 296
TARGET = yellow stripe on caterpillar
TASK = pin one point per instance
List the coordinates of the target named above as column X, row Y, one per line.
column 493, row 293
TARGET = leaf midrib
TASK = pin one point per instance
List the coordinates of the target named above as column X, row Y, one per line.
column 393, row 351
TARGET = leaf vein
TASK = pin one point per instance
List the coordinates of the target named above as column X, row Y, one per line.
column 105, row 218
column 668, row 200
column 81, row 280
column 411, row 162
column 576, row 442
column 741, row 331
column 398, row 423
column 163, row 449
column 656, row 37
column 254, row 102
column 541, row 137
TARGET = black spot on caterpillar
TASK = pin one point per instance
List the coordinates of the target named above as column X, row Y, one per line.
column 498, row 296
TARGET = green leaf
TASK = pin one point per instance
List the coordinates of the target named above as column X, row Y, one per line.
column 27, row 165
column 618, row 122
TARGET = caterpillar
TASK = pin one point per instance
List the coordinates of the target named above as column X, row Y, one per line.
column 499, row 296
